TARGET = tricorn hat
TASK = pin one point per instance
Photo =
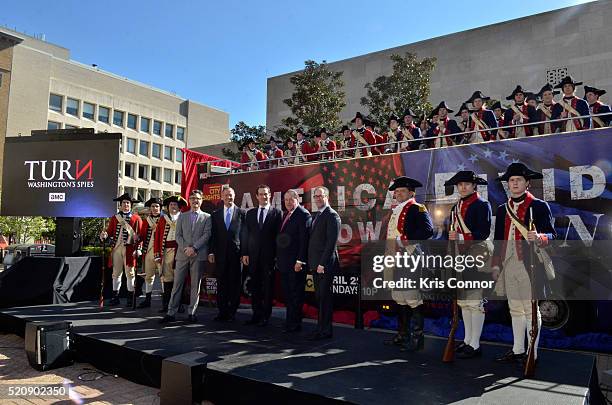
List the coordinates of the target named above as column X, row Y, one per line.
column 126, row 197
column 273, row 139
column 463, row 107
column 247, row 141
column 595, row 90
column 477, row 94
column 467, row 176
column 443, row 105
column 358, row 115
column 404, row 181
column 496, row 105
column 153, row 200
column 177, row 199
column 518, row 89
column 532, row 96
column 409, row 112
column 519, row 169
column 547, row 87
column 393, row 117
column 567, row 80
column 300, row 130
column 289, row 140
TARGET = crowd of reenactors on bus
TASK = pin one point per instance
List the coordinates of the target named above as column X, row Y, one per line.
column 476, row 122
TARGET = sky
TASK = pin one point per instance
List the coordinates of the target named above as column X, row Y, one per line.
column 220, row 53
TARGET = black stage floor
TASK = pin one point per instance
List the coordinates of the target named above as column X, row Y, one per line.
column 250, row 364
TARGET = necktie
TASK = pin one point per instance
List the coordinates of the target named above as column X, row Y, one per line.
column 228, row 219
column 286, row 219
column 261, row 217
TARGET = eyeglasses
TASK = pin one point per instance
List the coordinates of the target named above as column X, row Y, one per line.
column 319, row 196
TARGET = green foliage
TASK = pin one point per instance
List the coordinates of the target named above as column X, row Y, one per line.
column 91, row 229
column 25, row 229
column 240, row 133
column 406, row 87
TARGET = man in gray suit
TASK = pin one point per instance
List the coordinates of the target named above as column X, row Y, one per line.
column 323, row 259
column 192, row 235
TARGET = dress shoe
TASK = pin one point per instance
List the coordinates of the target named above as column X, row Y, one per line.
column 320, row 336
column 397, row 340
column 167, row 319
column 181, row 309
column 192, row 319
column 469, row 352
column 460, row 347
column 510, row 357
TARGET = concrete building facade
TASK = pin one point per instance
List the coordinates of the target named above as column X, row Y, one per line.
column 42, row 88
column 530, row 51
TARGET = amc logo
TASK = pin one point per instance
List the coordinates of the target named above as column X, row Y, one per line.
column 57, row 197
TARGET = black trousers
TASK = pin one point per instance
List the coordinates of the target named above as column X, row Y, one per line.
column 323, row 293
column 229, row 285
column 293, row 289
column 262, row 283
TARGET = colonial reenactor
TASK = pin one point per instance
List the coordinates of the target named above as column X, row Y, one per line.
column 275, row 154
column 482, row 120
column 591, row 95
column 519, row 114
column 522, row 218
column 147, row 251
column 378, row 139
column 464, row 123
column 251, row 156
column 443, row 128
column 410, row 132
column 499, row 118
column 392, row 139
column 290, row 153
column 327, row 145
column 315, row 147
column 470, row 225
column 571, row 106
column 532, row 99
column 361, row 137
column 302, row 147
column 409, row 223
column 164, row 248
column 424, row 126
column 345, row 142
column 123, row 233
column 544, row 110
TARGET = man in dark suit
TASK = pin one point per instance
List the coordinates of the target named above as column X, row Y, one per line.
column 291, row 252
column 227, row 224
column 323, row 259
column 259, row 253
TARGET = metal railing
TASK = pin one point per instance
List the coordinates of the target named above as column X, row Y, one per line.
column 340, row 154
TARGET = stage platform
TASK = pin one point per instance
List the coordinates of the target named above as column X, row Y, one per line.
column 250, row 364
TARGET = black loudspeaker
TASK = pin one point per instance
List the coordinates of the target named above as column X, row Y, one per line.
column 47, row 344
column 68, row 237
column 182, row 379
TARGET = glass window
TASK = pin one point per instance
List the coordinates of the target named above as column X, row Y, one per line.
column 51, row 125
column 145, row 124
column 67, row 126
column 118, row 118
column 156, row 193
column 169, row 131
column 143, row 172
column 144, row 148
column 180, row 133
column 168, row 176
column 88, row 110
column 131, row 122
column 72, row 107
column 129, row 190
column 56, row 102
column 156, row 151
column 155, row 173
column 157, row 125
column 179, row 155
column 168, row 153
column 103, row 114
column 131, row 145
column 129, row 170
column 177, row 177
column 142, row 194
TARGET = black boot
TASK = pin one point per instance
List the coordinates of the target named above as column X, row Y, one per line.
column 166, row 297
column 130, row 299
column 416, row 341
column 115, row 300
column 403, row 313
column 146, row 303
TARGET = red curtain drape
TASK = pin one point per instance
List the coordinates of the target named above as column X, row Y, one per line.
column 190, row 170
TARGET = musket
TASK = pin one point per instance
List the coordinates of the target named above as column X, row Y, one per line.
column 449, row 350
column 533, row 333
column 101, row 302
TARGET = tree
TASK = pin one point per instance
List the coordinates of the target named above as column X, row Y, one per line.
column 406, row 87
column 25, row 229
column 317, row 98
column 240, row 133
column 90, row 230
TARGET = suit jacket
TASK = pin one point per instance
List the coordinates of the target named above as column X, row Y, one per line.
column 292, row 240
column 197, row 236
column 224, row 242
column 324, row 233
column 260, row 244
